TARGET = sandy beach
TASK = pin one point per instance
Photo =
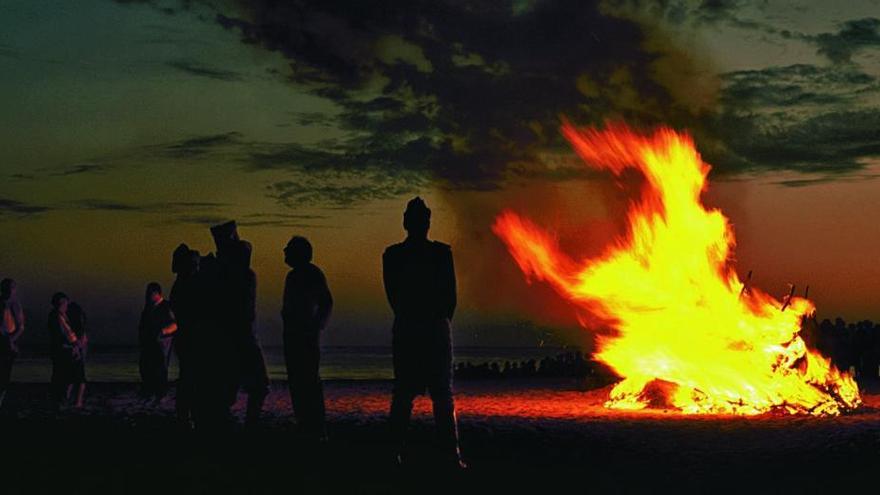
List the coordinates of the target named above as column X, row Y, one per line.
column 518, row 435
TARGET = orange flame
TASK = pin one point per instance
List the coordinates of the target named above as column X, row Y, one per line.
column 669, row 290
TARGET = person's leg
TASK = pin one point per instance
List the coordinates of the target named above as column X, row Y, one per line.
column 440, row 389
column 80, row 395
column 183, row 399
column 5, row 376
column 257, row 382
column 317, row 393
column 406, row 386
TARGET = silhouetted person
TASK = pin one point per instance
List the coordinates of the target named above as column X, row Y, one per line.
column 78, row 321
column 157, row 326
column 240, row 297
column 420, row 284
column 306, row 308
column 184, row 299
column 63, row 345
column 11, row 328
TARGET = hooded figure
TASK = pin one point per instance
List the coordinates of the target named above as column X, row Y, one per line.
column 419, row 281
column 306, row 308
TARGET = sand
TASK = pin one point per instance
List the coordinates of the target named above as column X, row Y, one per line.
column 518, row 435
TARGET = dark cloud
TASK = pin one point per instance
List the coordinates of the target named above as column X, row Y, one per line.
column 469, row 94
column 106, row 205
column 342, row 189
column 206, row 220
column 21, row 176
column 800, row 117
column 833, row 142
column 795, row 85
column 20, row 208
column 455, row 91
column 201, row 145
column 159, row 207
column 199, row 70
column 83, row 168
column 283, row 216
column 853, row 36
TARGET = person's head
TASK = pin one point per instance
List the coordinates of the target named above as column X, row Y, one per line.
column 153, row 293
column 7, row 288
column 60, row 302
column 298, row 251
column 417, row 218
column 225, row 235
column 185, row 261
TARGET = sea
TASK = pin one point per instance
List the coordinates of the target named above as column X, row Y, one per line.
column 120, row 364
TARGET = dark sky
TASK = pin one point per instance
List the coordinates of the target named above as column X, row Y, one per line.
column 131, row 126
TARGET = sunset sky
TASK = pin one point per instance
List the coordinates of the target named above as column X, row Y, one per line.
column 130, row 126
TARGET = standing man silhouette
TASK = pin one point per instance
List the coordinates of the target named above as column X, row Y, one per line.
column 306, row 308
column 420, row 284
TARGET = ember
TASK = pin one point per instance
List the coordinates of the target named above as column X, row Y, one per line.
column 685, row 328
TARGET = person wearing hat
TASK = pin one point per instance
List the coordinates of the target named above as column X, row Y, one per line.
column 419, row 281
column 306, row 308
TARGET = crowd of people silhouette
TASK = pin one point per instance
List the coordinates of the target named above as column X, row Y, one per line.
column 208, row 321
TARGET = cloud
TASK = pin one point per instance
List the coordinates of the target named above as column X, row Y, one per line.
column 201, row 145
column 796, row 85
column 83, row 168
column 458, row 92
column 342, row 189
column 469, row 94
column 157, row 207
column 799, row 117
column 20, row 208
column 199, row 70
column 853, row 36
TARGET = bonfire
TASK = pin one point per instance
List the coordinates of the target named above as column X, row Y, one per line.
column 683, row 327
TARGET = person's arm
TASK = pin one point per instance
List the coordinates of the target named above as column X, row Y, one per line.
column 448, row 284
column 325, row 302
column 18, row 313
column 66, row 331
column 389, row 277
column 170, row 322
column 285, row 299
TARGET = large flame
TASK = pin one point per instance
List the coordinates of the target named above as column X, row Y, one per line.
column 685, row 328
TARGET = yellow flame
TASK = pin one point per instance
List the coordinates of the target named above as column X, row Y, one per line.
column 671, row 293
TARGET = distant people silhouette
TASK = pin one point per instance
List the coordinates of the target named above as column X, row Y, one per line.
column 157, row 326
column 306, row 308
column 11, row 329
column 419, row 281
column 185, row 299
column 78, row 324
column 63, row 345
